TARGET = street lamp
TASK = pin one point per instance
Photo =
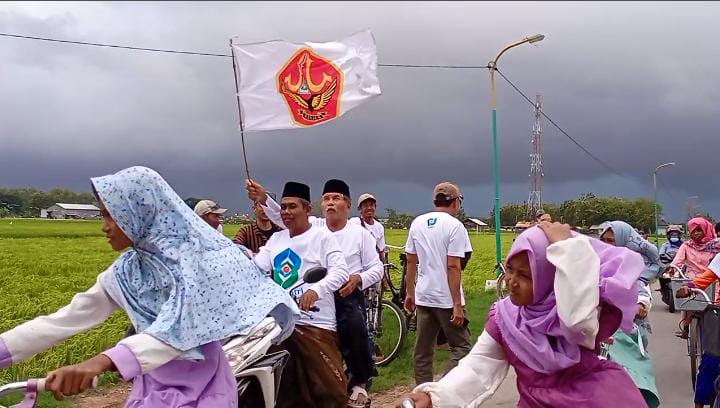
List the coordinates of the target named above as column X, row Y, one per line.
column 493, row 104
column 657, row 239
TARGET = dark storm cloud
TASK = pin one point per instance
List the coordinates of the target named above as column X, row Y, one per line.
column 634, row 82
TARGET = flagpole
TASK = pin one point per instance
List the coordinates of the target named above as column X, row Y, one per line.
column 240, row 120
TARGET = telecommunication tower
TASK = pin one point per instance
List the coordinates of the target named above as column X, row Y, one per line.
column 535, row 202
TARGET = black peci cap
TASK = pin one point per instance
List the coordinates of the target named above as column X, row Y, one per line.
column 336, row 186
column 297, row 190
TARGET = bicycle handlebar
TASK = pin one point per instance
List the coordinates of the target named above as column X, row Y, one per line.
column 31, row 387
column 702, row 293
column 678, row 271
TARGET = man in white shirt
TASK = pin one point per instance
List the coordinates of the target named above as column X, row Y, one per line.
column 367, row 205
column 439, row 243
column 314, row 372
column 365, row 270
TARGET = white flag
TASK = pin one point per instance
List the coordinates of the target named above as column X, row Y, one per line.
column 284, row 85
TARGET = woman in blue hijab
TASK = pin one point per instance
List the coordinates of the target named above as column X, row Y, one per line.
column 630, row 351
column 184, row 286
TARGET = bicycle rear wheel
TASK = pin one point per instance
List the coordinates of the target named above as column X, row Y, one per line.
column 694, row 350
column 391, row 339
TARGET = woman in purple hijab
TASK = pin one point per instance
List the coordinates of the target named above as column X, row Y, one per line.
column 567, row 293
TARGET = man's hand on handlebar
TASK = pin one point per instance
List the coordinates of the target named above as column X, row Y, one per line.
column 307, row 300
column 420, row 400
column 74, row 379
column 682, row 292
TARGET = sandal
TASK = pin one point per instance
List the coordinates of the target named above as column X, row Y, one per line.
column 684, row 333
column 358, row 398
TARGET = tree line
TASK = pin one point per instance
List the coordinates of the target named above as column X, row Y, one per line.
column 584, row 212
column 27, row 202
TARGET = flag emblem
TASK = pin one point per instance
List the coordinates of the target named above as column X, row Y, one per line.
column 311, row 86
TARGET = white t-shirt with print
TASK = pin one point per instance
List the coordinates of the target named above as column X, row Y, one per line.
column 376, row 229
column 356, row 242
column 433, row 237
column 288, row 259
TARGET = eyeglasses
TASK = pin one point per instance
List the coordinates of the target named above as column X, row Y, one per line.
column 460, row 197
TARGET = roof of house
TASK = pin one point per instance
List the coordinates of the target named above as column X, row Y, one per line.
column 477, row 222
column 77, row 207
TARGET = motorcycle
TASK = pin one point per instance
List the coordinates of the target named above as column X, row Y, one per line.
column 258, row 373
column 31, row 389
column 666, row 292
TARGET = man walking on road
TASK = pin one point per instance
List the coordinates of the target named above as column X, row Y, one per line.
column 438, row 242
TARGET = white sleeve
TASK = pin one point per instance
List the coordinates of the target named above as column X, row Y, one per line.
column 475, row 379
column 262, row 259
column 337, row 270
column 576, row 286
column 457, row 246
column 410, row 244
column 644, row 295
column 150, row 352
column 381, row 238
column 372, row 266
column 272, row 210
column 85, row 311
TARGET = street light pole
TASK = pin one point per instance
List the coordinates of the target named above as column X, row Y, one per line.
column 496, row 167
column 655, row 206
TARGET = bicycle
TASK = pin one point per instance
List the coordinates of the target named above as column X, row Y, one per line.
column 696, row 307
column 30, row 388
column 387, row 322
column 500, row 286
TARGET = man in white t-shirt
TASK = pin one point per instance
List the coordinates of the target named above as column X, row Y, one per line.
column 438, row 242
column 365, row 270
column 314, row 371
column 367, row 205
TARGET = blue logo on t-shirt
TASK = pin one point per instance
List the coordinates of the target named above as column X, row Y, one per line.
column 286, row 268
column 431, row 222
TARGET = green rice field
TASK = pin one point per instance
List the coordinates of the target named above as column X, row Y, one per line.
column 43, row 263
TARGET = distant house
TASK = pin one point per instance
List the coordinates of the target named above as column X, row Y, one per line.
column 522, row 226
column 70, row 211
column 476, row 224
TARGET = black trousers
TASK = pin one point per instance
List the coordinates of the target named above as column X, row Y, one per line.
column 353, row 334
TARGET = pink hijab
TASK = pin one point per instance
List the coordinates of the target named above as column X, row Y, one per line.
column 708, row 229
column 534, row 333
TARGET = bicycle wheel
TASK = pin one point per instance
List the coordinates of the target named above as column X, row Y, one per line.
column 694, row 351
column 391, row 339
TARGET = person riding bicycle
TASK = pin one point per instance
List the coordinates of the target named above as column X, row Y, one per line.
column 365, row 268
column 567, row 292
column 630, row 350
column 179, row 284
column 696, row 255
column 709, row 365
column 669, row 249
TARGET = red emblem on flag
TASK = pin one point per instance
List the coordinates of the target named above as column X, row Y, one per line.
column 311, row 86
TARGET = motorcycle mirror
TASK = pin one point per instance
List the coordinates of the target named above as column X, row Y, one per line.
column 315, row 274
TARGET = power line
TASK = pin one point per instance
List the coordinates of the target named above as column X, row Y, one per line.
column 27, row 37
column 209, row 54
column 583, row 148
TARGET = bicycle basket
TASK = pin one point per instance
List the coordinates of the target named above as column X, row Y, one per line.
column 711, row 331
column 690, row 304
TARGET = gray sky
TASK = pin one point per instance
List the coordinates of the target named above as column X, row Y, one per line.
column 636, row 83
